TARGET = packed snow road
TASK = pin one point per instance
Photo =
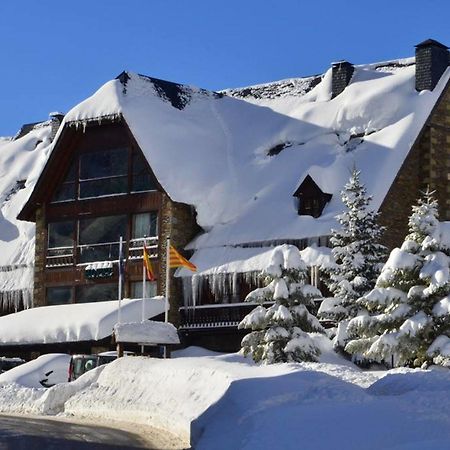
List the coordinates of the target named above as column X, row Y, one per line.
column 24, row 433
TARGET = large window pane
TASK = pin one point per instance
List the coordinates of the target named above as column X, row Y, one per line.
column 137, row 287
column 142, row 182
column 98, row 252
column 59, row 295
column 65, row 192
column 141, row 177
column 104, row 163
column 102, row 229
column 99, row 237
column 105, row 186
column 60, row 234
column 145, row 225
column 96, row 292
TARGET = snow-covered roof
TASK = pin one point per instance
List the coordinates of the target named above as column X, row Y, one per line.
column 211, row 150
column 21, row 161
column 73, row 323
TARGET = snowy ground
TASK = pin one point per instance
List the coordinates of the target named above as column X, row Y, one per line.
column 225, row 401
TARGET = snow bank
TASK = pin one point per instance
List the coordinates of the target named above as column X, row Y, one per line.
column 72, row 323
column 26, row 399
column 49, row 369
column 226, row 401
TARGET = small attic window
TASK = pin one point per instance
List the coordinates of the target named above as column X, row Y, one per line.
column 311, row 199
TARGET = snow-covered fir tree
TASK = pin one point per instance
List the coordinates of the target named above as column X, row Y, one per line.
column 282, row 332
column 357, row 251
column 408, row 313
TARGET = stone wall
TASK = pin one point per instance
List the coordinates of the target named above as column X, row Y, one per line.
column 178, row 222
column 427, row 164
column 39, row 258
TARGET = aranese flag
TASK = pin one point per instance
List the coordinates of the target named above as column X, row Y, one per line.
column 176, row 260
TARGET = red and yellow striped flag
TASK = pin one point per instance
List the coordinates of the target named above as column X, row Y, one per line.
column 176, row 260
column 148, row 265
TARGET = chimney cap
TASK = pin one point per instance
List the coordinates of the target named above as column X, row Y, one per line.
column 430, row 43
column 342, row 62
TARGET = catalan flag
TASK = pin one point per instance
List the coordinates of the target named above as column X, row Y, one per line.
column 148, row 265
column 176, row 260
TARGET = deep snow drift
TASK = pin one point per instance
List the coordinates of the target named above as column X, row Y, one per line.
column 225, row 402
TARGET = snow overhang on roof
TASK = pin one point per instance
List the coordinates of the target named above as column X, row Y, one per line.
column 223, row 260
column 72, row 323
column 213, row 151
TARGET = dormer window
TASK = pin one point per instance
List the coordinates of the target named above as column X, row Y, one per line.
column 311, row 199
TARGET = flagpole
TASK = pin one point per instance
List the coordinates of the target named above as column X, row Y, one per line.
column 119, row 314
column 166, row 306
column 144, row 279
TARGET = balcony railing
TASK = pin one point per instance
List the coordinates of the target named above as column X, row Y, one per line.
column 224, row 315
column 215, row 316
column 59, row 257
column 109, row 251
column 137, row 246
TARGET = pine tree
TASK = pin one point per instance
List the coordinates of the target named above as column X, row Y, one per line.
column 357, row 252
column 281, row 332
column 408, row 313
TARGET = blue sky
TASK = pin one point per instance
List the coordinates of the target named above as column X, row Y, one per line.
column 56, row 53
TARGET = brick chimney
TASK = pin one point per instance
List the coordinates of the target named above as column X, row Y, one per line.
column 432, row 58
column 55, row 118
column 342, row 72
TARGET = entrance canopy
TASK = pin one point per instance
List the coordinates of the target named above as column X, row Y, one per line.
column 73, row 323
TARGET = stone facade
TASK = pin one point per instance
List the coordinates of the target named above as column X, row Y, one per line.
column 39, row 258
column 178, row 222
column 427, row 164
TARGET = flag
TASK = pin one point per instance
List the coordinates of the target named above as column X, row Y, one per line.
column 148, row 265
column 176, row 260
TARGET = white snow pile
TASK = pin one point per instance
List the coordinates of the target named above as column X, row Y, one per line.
column 226, row 401
column 23, row 394
column 147, row 332
column 45, row 370
column 224, row 149
column 72, row 323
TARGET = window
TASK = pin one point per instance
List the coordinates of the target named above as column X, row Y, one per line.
column 136, row 289
column 311, row 207
column 96, row 292
column 67, row 190
column 59, row 295
column 104, row 173
column 60, row 234
column 141, row 178
column 99, row 238
column 144, row 225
